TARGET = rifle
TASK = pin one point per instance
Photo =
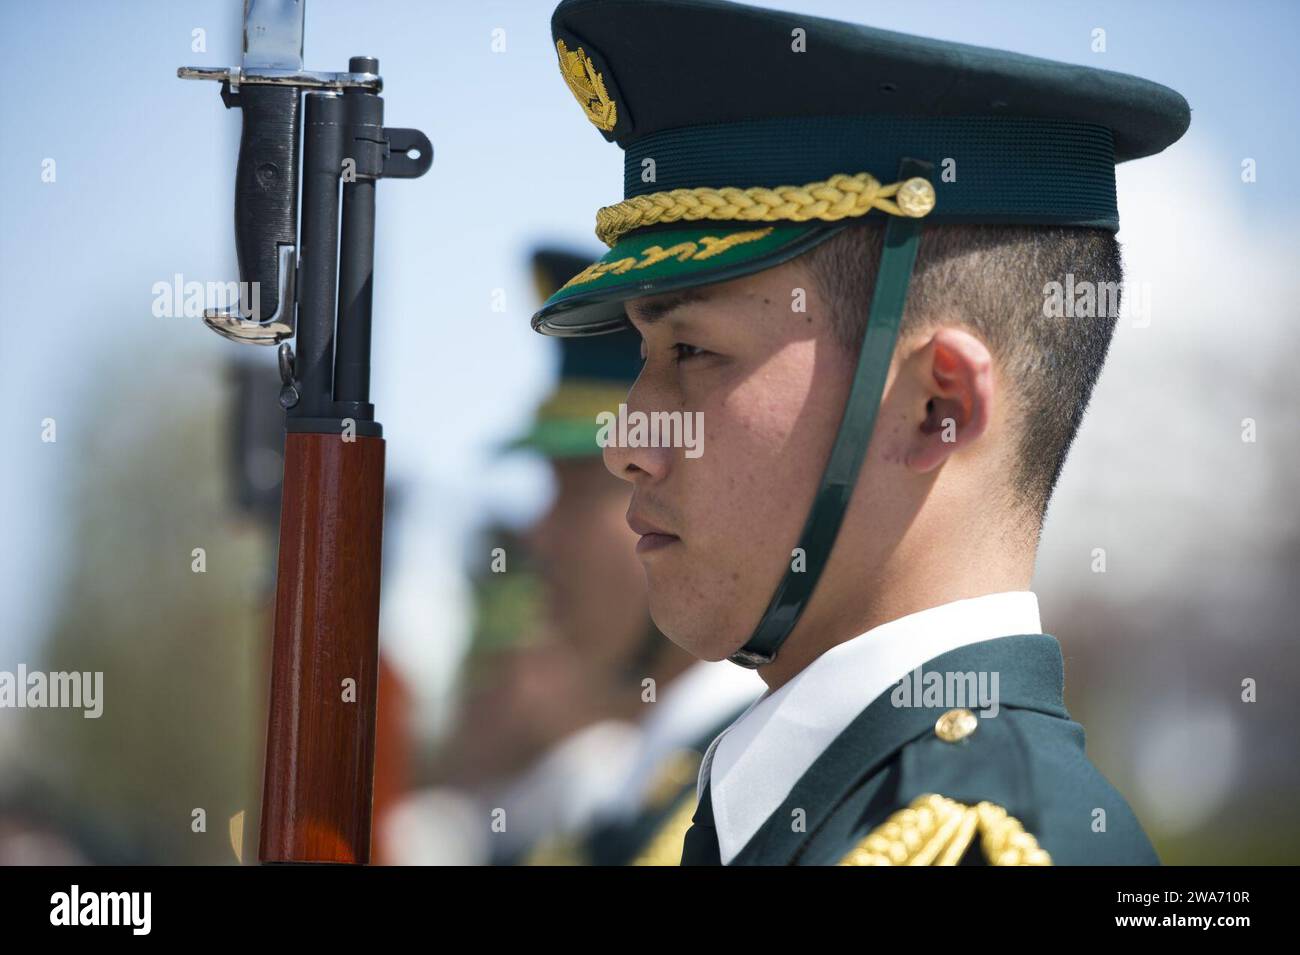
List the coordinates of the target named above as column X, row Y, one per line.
column 320, row 739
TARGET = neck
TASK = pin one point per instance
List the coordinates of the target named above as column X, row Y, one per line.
column 837, row 614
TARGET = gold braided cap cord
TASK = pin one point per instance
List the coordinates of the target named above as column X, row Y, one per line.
column 842, row 196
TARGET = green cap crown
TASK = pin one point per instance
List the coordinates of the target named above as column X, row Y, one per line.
column 750, row 135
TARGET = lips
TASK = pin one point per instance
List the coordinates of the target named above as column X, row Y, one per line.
column 653, row 537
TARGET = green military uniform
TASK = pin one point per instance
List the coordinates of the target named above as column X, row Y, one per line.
column 925, row 785
column 749, row 137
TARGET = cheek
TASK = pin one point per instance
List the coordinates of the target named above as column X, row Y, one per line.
column 765, row 412
column 763, row 448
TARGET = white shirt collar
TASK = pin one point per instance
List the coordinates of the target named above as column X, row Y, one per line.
column 754, row 764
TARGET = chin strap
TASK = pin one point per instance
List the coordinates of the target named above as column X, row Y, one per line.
column 902, row 236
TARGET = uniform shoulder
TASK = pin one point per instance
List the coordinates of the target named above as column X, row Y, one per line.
column 1011, row 788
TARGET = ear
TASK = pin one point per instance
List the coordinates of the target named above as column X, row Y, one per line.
column 955, row 373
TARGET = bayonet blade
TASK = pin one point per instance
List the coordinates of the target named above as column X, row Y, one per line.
column 273, row 34
column 273, row 31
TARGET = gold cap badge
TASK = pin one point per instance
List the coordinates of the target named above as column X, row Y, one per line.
column 587, row 86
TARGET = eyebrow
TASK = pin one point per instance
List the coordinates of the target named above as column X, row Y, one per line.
column 650, row 310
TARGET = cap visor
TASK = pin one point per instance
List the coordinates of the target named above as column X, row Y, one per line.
column 656, row 260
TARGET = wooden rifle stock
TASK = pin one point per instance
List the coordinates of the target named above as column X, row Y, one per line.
column 320, row 739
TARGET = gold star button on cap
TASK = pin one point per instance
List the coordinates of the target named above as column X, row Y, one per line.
column 956, row 725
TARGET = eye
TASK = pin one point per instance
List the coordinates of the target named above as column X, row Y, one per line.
column 683, row 352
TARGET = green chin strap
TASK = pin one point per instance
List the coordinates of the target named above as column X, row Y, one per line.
column 902, row 236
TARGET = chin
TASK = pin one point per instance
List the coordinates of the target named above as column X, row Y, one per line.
column 692, row 628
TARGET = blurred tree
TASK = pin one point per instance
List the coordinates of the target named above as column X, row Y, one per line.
column 182, row 652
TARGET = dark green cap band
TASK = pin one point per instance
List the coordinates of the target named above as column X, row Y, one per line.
column 1009, row 170
column 1002, row 169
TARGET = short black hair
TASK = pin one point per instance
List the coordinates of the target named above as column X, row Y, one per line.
column 995, row 280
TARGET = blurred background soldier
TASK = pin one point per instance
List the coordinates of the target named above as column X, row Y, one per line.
column 580, row 734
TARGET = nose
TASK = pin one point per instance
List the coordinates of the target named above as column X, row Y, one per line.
column 637, row 465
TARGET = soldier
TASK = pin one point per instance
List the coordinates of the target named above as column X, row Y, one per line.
column 837, row 244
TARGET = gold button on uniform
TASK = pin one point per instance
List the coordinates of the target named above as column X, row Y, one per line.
column 955, row 725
